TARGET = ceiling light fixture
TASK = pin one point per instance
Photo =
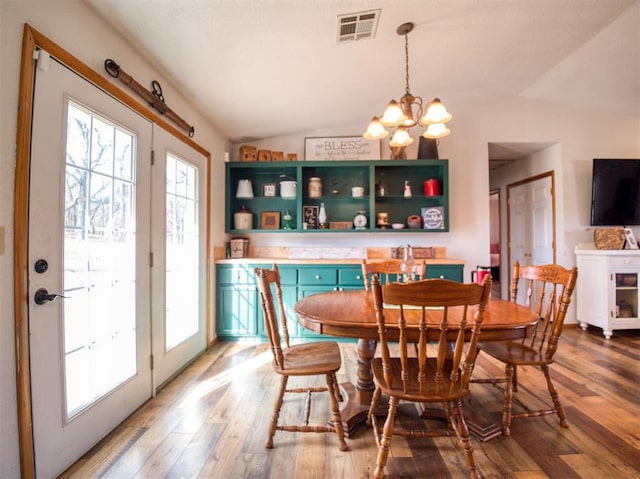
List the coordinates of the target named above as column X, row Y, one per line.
column 400, row 115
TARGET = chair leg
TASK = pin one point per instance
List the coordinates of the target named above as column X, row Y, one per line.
column 276, row 412
column 375, row 399
column 555, row 397
column 462, row 431
column 332, row 384
column 508, row 397
column 385, row 440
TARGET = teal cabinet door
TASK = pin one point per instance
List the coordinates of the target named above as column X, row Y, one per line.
column 237, row 312
column 454, row 272
column 237, row 302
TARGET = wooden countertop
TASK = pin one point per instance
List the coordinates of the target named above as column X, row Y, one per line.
column 322, row 261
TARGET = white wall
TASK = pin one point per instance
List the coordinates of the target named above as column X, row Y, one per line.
column 74, row 27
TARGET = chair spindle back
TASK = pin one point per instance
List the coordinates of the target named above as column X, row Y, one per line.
column 548, row 292
column 268, row 281
column 389, row 270
column 426, row 305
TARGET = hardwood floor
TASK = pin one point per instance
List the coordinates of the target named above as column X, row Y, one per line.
column 211, row 422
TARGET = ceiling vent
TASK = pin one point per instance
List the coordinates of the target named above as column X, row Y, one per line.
column 354, row 26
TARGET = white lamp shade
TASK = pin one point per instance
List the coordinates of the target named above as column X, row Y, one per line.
column 436, row 130
column 400, row 138
column 393, row 115
column 375, row 130
column 436, row 113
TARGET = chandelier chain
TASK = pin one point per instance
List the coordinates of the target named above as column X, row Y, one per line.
column 406, row 61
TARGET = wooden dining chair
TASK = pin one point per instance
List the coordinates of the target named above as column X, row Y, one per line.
column 389, row 270
column 306, row 359
column 443, row 378
column 547, row 290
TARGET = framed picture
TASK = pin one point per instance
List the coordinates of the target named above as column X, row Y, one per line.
column 268, row 189
column 270, row 220
column 310, row 217
column 341, row 148
column 433, row 218
column 631, row 242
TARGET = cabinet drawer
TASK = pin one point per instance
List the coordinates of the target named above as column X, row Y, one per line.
column 318, row 275
column 351, row 276
column 452, row 272
column 241, row 274
column 288, row 275
column 625, row 261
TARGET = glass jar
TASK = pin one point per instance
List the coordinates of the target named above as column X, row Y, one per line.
column 408, row 265
column 315, row 187
column 322, row 217
column 287, row 220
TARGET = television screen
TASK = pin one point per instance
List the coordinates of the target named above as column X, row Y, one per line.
column 615, row 192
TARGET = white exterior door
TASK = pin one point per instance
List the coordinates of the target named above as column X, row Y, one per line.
column 179, row 254
column 89, row 240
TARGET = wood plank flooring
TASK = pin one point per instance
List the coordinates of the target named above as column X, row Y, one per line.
column 211, row 422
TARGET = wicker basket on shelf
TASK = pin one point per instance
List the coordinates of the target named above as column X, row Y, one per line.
column 608, row 238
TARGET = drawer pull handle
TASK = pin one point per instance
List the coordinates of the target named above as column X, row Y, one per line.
column 442, row 276
column 358, row 277
column 317, row 276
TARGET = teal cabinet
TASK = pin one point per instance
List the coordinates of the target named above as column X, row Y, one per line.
column 238, row 308
column 338, row 178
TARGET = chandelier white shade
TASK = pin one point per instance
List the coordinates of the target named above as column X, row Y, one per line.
column 400, row 115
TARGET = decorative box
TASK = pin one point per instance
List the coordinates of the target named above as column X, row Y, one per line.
column 419, row 252
column 264, row 155
column 340, row 225
column 239, row 247
column 248, row 153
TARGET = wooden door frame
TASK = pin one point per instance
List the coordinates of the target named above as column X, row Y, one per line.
column 553, row 212
column 31, row 41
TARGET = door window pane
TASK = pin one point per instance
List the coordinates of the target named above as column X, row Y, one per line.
column 99, row 258
column 182, row 295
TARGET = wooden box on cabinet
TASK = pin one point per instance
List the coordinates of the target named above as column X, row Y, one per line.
column 607, row 294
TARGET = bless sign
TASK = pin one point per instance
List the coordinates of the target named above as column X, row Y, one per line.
column 341, row 148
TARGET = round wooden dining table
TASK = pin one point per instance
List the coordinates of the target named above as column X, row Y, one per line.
column 351, row 314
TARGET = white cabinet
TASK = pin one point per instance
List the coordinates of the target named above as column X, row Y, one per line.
column 607, row 288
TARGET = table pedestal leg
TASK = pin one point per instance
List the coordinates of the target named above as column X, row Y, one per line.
column 480, row 425
column 358, row 397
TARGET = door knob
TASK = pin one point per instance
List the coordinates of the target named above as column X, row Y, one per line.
column 42, row 296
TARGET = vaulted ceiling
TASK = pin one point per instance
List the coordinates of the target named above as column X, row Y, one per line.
column 258, row 69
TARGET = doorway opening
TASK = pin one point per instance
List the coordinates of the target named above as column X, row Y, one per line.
column 494, row 240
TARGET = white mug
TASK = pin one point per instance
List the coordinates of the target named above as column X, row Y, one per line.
column 357, row 191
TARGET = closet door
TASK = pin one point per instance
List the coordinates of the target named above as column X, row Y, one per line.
column 531, row 222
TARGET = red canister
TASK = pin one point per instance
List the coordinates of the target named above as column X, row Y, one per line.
column 431, row 187
column 481, row 272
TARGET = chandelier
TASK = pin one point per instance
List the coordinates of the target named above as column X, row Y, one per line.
column 400, row 115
